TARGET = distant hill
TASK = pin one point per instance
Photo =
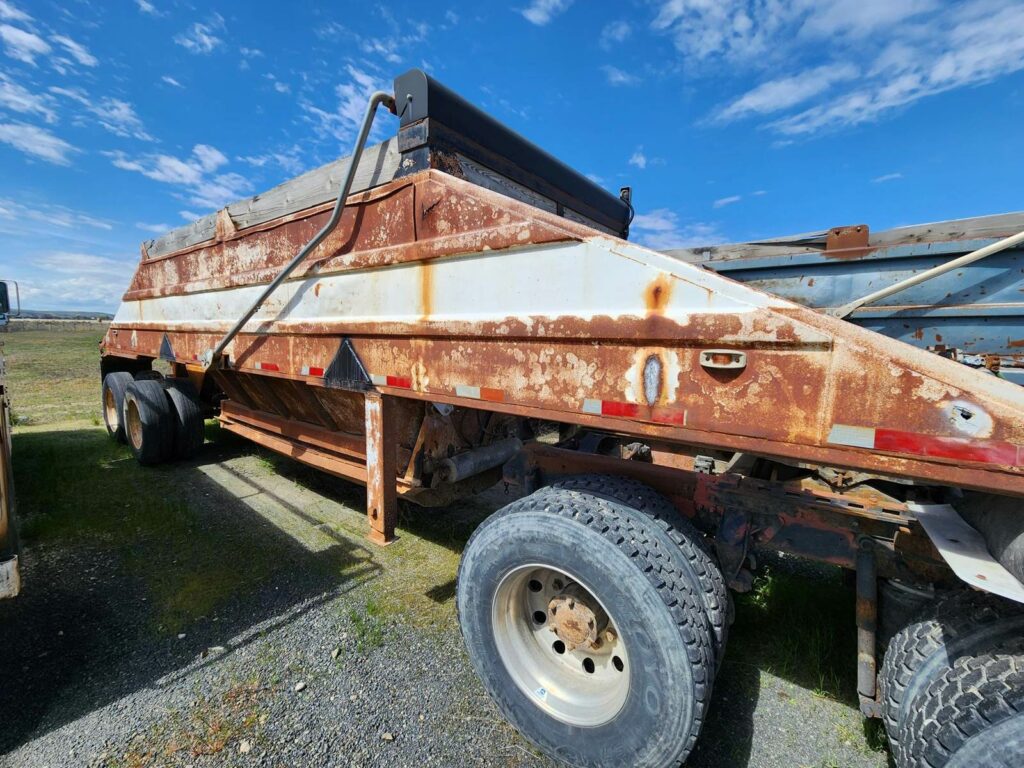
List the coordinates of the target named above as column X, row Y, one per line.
column 47, row 314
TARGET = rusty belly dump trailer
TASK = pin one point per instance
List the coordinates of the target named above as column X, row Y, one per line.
column 454, row 306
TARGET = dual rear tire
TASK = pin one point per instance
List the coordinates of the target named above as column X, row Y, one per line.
column 159, row 419
column 952, row 685
column 587, row 625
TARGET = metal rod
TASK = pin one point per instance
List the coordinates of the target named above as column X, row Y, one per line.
column 867, row 623
column 378, row 98
column 928, row 274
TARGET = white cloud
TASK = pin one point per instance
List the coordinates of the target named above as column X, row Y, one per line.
column 19, row 99
column 21, row 45
column 50, row 215
column 786, row 92
column 37, row 142
column 614, row 33
column 115, row 115
column 78, row 51
column 12, row 13
column 616, row 76
column 80, row 264
column 639, row 159
column 290, row 160
column 76, row 280
column 156, row 229
column 247, row 55
column 171, row 81
column 196, row 175
column 451, row 17
column 661, row 230
column 201, row 38
column 540, row 12
column 861, row 59
column 147, row 7
column 758, row 193
column 887, row 177
column 724, row 201
column 342, row 122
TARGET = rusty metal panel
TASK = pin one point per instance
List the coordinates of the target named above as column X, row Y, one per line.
column 454, row 294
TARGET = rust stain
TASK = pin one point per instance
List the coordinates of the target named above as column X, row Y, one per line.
column 919, row 333
column 316, row 290
column 657, row 294
column 810, row 282
column 426, row 288
column 1015, row 343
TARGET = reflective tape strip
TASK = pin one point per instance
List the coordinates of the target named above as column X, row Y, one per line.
column 897, row 441
column 266, row 367
column 634, row 411
column 402, row 382
column 312, row 370
column 480, row 393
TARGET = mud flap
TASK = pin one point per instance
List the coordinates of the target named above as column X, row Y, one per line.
column 965, row 551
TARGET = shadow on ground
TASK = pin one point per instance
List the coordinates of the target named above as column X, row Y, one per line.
column 120, row 561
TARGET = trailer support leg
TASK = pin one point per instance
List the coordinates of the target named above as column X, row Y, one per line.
column 867, row 623
column 381, row 480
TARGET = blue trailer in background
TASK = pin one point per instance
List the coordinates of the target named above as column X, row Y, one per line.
column 973, row 313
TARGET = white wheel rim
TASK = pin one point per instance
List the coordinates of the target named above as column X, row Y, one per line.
column 586, row 686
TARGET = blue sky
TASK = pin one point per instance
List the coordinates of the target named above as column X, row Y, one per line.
column 731, row 119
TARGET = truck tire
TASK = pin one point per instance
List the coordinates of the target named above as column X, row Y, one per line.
column 972, row 716
column 149, row 427
column 638, row 696
column 926, row 649
column 187, row 417
column 114, row 386
column 696, row 559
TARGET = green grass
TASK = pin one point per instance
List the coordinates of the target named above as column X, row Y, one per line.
column 369, row 626
column 78, row 488
column 54, row 375
column 800, row 629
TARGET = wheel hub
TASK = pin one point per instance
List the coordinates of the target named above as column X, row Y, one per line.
column 574, row 621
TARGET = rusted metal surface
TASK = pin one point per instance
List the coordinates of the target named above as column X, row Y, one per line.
column 804, row 374
column 575, row 620
column 867, row 629
column 454, row 295
column 847, row 242
column 381, row 494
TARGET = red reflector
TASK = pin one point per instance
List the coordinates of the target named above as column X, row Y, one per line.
column 313, row 371
column 492, row 395
column 268, row 367
column 612, row 408
column 399, row 381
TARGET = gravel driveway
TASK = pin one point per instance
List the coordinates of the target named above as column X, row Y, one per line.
column 248, row 622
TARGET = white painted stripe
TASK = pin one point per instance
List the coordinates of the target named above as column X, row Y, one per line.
column 858, row 437
column 464, row 390
column 592, row 406
column 529, row 283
